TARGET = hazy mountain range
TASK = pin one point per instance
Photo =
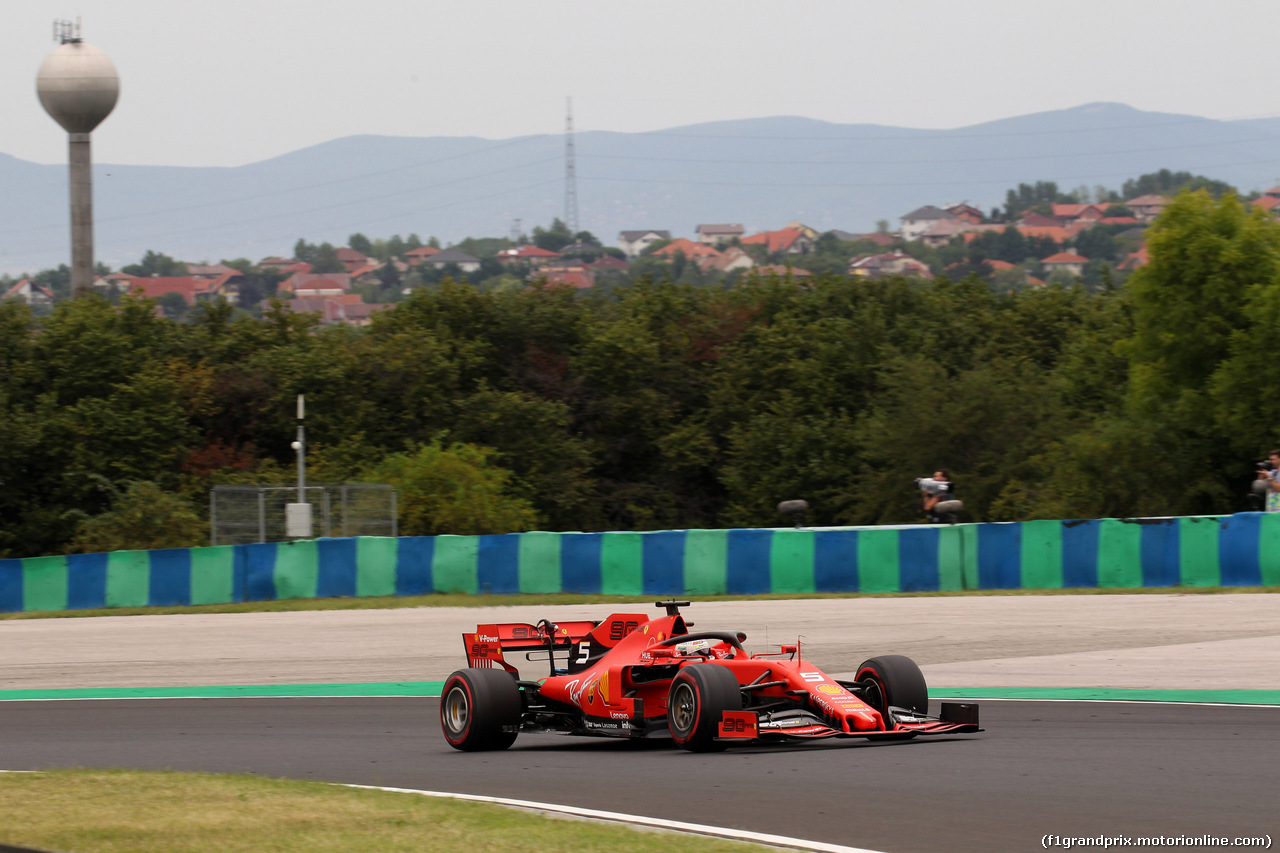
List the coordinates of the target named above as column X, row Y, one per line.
column 762, row 173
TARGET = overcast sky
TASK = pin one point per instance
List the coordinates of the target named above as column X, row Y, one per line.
column 228, row 82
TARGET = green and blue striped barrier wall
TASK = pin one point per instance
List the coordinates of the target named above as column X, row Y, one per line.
column 1235, row 550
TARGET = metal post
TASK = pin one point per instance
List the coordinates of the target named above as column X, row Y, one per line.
column 298, row 515
column 346, row 508
column 213, row 517
column 262, row 515
column 301, row 447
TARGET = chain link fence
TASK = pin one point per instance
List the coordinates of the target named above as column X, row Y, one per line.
column 239, row 515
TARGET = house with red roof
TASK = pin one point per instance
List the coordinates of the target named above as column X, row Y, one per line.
column 1056, row 233
column 1266, row 202
column 608, row 263
column 416, row 256
column 527, row 254
column 966, row 212
column 791, row 241
column 942, row 230
column 455, row 256
column 922, row 219
column 1136, row 259
column 572, row 273
column 691, row 250
column 732, row 258
column 1068, row 261
column 191, row 288
column 29, row 292
column 1035, row 219
column 888, row 264
column 718, row 235
column 1147, row 207
column 316, row 284
column 353, row 260
column 1067, row 214
column 345, row 308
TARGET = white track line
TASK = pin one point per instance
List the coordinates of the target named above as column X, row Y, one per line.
column 639, row 820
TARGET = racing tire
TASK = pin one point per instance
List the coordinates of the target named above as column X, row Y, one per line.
column 479, row 709
column 898, row 681
column 700, row 693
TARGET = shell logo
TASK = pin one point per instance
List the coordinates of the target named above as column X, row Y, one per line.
column 830, row 689
column 604, row 686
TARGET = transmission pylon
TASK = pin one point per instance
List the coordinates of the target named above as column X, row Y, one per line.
column 570, row 172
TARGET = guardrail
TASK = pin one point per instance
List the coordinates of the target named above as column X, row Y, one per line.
column 1234, row 550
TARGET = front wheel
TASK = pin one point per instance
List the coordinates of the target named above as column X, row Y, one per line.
column 894, row 680
column 700, row 694
column 480, row 709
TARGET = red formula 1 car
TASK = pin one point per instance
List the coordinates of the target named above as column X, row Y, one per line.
column 632, row 676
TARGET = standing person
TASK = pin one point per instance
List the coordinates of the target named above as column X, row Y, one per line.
column 1272, row 476
column 938, row 488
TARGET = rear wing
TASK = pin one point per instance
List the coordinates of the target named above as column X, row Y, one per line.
column 485, row 647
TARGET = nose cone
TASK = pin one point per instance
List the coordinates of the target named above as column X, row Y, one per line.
column 78, row 86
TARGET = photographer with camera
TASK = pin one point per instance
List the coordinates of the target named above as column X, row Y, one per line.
column 1268, row 481
column 938, row 494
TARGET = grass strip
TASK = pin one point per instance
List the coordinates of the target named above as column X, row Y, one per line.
column 113, row 811
column 388, row 602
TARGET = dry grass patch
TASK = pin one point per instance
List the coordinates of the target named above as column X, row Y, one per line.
column 114, row 811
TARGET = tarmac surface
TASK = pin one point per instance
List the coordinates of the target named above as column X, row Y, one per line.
column 1067, row 768
column 1153, row 641
column 1071, row 769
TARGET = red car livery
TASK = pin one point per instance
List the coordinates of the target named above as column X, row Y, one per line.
column 633, row 676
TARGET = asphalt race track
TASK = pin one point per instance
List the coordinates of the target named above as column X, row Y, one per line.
column 1078, row 769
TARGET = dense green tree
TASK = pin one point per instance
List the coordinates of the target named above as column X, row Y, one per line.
column 325, row 260
column 1167, row 183
column 552, row 239
column 453, row 489
column 57, row 281
column 361, row 244
column 155, row 264
column 142, row 516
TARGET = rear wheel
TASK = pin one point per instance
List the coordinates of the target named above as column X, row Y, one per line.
column 894, row 680
column 480, row 709
column 700, row 693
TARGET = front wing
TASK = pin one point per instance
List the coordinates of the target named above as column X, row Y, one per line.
column 751, row 726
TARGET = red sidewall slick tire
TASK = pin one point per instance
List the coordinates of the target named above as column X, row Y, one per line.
column 700, row 694
column 475, row 707
column 900, row 681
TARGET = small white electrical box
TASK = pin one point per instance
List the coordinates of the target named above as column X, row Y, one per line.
column 297, row 521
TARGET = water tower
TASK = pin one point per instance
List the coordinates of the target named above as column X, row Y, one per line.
column 78, row 86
